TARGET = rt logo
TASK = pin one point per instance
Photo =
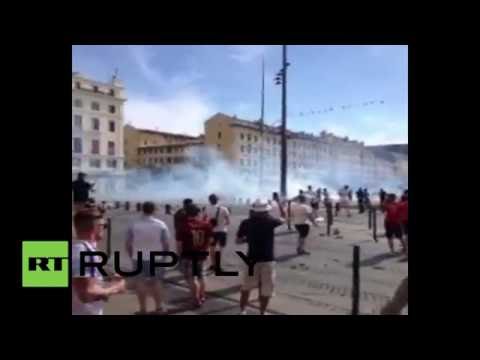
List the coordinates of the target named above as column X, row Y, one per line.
column 45, row 264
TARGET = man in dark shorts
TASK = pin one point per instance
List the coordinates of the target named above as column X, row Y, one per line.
column 219, row 218
column 302, row 214
column 393, row 227
column 258, row 232
column 81, row 190
column 193, row 237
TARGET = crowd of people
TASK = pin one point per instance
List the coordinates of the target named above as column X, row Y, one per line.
column 205, row 230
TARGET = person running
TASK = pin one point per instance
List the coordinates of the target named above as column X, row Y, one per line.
column 145, row 235
column 90, row 290
column 81, row 191
column 344, row 200
column 393, row 227
column 399, row 300
column 302, row 214
column 258, row 232
column 360, row 201
column 219, row 217
column 194, row 237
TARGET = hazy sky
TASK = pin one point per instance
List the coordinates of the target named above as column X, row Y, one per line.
column 176, row 88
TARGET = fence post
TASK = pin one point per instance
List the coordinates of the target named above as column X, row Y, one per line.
column 127, row 205
column 356, row 281
column 369, row 218
column 329, row 217
column 374, row 214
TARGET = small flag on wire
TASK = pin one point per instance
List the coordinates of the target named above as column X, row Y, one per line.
column 381, row 101
column 301, row 114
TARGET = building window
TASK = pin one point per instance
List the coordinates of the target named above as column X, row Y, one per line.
column 256, row 139
column 78, row 103
column 249, row 137
column 169, row 150
column 161, row 150
column 169, row 160
column 242, row 148
column 111, row 126
column 95, row 124
column 242, row 137
column 77, row 145
column 76, row 162
column 112, row 163
column 77, row 121
column 145, row 142
column 112, row 92
column 111, row 109
column 241, row 162
column 95, row 106
column 219, row 135
column 95, row 163
column 218, row 146
column 95, row 88
column 111, row 148
column 95, row 146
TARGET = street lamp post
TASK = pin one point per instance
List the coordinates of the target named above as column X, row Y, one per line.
column 282, row 79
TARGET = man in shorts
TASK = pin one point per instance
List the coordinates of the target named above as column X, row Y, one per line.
column 81, row 191
column 258, row 232
column 344, row 200
column 219, row 218
column 145, row 235
column 193, row 239
column 302, row 217
column 393, row 227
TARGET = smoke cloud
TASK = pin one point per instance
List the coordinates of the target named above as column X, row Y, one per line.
column 208, row 172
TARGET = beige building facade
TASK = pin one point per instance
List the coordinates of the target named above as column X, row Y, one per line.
column 97, row 125
column 164, row 156
column 240, row 142
column 136, row 139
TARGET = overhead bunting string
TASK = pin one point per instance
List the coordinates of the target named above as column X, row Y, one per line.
column 341, row 107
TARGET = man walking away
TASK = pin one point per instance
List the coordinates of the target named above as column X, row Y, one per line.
column 180, row 215
column 81, row 191
column 145, row 235
column 344, row 202
column 194, row 236
column 393, row 227
column 258, row 233
column 219, row 218
column 302, row 214
column 90, row 291
column 277, row 207
column 361, row 207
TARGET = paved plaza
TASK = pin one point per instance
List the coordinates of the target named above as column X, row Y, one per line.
column 319, row 284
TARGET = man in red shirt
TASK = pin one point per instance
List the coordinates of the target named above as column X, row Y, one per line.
column 403, row 215
column 393, row 227
column 193, row 238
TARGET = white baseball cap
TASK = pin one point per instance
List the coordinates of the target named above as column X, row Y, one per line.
column 261, row 205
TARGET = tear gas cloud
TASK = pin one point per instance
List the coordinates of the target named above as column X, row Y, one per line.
column 208, row 172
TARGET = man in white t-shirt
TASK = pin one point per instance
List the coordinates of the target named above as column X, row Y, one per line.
column 219, row 218
column 145, row 235
column 302, row 218
column 344, row 199
column 89, row 291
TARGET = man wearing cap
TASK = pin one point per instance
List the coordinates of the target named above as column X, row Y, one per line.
column 81, row 190
column 258, row 232
column 89, row 291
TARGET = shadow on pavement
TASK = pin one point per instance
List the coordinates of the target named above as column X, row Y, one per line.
column 374, row 260
column 286, row 257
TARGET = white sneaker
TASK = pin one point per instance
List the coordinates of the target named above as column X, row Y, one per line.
column 244, row 312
